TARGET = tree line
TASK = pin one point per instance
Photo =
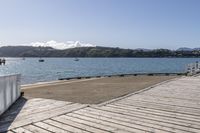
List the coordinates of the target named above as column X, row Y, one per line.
column 29, row 51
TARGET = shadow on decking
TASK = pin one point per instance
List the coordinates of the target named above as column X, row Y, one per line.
column 7, row 118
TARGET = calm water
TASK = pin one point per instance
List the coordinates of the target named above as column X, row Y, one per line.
column 53, row 68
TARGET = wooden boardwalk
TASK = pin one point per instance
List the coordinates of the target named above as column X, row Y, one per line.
column 172, row 106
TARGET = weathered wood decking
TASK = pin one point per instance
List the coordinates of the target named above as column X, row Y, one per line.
column 172, row 106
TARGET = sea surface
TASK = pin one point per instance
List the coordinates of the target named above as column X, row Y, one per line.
column 33, row 71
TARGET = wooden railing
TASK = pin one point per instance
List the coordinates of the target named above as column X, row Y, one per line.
column 193, row 68
column 9, row 91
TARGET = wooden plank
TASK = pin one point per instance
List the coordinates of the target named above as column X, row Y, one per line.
column 163, row 100
column 41, row 116
column 160, row 106
column 141, row 120
column 187, row 95
column 156, row 116
column 64, row 126
column 42, row 103
column 174, row 93
column 181, row 82
column 194, row 82
column 176, row 90
column 32, row 112
column 53, row 112
column 172, row 98
column 132, row 124
column 103, row 121
column 36, row 101
column 9, row 132
column 156, row 112
column 76, row 124
column 28, row 106
column 193, row 87
column 45, row 103
column 47, row 106
column 170, row 104
column 50, row 127
column 177, row 110
column 21, row 130
column 92, row 124
column 35, row 129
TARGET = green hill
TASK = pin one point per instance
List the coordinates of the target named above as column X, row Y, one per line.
column 29, row 51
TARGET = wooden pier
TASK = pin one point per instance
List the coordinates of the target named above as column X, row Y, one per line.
column 171, row 106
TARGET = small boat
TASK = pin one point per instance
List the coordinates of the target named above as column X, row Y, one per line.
column 76, row 59
column 41, row 60
column 2, row 61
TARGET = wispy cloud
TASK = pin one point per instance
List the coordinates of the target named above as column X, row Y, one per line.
column 62, row 45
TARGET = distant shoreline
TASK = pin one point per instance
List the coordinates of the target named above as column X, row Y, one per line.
column 30, row 51
column 102, row 57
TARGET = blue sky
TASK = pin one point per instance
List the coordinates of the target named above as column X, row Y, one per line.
column 115, row 23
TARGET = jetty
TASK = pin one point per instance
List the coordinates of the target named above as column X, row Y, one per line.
column 170, row 106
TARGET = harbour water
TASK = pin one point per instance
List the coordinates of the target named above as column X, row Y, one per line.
column 54, row 68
